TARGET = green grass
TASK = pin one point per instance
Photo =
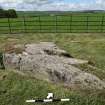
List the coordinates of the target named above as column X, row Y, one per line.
column 15, row 87
column 48, row 23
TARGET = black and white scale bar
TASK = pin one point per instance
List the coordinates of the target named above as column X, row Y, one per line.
column 47, row 100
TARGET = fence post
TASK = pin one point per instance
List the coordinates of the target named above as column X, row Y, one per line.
column 102, row 24
column 25, row 29
column 87, row 24
column 71, row 23
column 40, row 24
column 9, row 26
column 56, row 24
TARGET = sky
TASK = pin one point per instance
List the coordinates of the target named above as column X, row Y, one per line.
column 53, row 5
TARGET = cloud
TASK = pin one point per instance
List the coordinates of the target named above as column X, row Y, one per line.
column 100, row 4
column 99, row 1
column 22, row 4
column 21, row 1
column 51, row 5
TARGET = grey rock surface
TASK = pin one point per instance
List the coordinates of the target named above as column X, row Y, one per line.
column 48, row 62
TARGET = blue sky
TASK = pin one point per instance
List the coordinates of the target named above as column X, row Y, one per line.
column 53, row 5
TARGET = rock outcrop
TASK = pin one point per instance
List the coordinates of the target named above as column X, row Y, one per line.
column 48, row 62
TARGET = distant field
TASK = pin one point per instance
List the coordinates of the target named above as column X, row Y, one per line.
column 66, row 23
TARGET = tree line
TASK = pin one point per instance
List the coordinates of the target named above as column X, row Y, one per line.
column 11, row 13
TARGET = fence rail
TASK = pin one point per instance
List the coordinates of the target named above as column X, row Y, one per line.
column 53, row 24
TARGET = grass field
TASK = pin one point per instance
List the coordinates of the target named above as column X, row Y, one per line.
column 93, row 22
column 15, row 87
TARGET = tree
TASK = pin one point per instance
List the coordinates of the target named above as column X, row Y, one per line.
column 1, row 13
column 11, row 13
